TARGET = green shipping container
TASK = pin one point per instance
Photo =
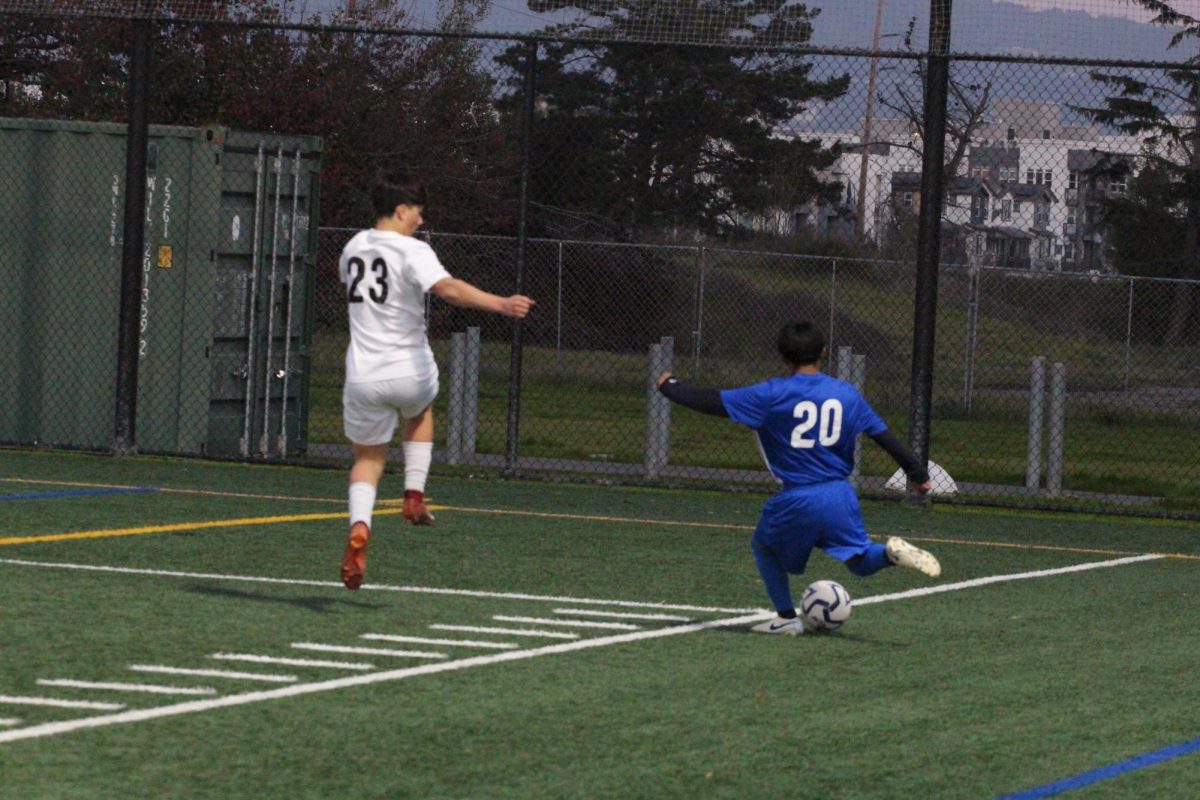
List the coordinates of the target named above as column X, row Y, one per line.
column 227, row 271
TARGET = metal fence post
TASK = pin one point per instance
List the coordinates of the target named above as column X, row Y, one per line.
column 268, row 369
column 470, row 390
column 658, row 409
column 929, row 228
column 1128, row 337
column 252, row 297
column 832, row 300
column 456, row 405
column 558, row 304
column 1056, row 435
column 529, row 86
column 1037, row 402
column 291, row 296
column 972, row 325
column 137, row 142
column 858, row 377
column 698, row 333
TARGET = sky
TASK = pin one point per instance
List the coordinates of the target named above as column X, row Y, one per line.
column 1108, row 8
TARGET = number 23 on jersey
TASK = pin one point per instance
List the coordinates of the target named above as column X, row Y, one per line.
column 377, row 284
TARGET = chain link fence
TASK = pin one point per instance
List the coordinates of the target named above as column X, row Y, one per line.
column 681, row 202
column 1053, row 388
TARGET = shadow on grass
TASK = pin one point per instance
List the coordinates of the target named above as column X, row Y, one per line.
column 321, row 605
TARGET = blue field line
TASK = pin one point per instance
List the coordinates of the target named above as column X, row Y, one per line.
column 1104, row 773
column 76, row 493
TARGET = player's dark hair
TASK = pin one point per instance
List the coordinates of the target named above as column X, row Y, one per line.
column 800, row 343
column 396, row 188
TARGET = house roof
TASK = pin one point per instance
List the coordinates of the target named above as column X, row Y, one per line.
column 1031, row 191
column 972, row 186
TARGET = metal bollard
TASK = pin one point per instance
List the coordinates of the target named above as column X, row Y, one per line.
column 456, row 400
column 658, row 409
column 1056, row 433
column 470, row 413
column 1037, row 402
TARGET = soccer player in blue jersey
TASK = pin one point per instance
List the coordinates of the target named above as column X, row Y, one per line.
column 807, row 423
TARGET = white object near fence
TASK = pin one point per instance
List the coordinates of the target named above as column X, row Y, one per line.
column 939, row 479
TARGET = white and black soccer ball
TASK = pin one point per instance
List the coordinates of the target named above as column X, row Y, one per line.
column 825, row 605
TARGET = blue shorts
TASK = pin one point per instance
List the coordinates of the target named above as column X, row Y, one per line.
column 824, row 515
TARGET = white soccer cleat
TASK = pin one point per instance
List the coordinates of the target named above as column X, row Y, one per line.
column 903, row 554
column 779, row 625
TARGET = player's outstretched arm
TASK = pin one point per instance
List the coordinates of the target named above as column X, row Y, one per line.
column 460, row 293
column 907, row 460
column 697, row 398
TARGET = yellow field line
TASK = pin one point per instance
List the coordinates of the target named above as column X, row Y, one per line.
column 183, row 526
column 203, row 492
column 474, row 510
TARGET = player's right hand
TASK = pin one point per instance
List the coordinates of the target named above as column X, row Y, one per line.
column 516, row 306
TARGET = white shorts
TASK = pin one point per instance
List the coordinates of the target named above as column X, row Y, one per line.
column 370, row 411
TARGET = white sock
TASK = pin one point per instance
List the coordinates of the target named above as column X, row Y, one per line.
column 362, row 502
column 417, row 457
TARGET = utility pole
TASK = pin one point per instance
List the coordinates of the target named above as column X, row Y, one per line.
column 861, row 219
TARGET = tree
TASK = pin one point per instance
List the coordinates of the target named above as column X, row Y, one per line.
column 377, row 100
column 1165, row 112
column 636, row 139
column 966, row 111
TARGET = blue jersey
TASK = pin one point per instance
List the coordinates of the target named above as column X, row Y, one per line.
column 806, row 424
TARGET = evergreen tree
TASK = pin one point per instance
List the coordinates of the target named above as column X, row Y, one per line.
column 635, row 140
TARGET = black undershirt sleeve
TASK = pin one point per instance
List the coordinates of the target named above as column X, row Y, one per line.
column 906, row 458
column 697, row 398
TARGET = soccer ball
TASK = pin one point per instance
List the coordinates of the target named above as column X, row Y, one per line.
column 825, row 605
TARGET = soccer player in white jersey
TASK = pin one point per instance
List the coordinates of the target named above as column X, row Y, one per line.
column 807, row 423
column 390, row 370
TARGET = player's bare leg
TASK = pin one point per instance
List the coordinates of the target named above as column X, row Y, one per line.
column 418, row 453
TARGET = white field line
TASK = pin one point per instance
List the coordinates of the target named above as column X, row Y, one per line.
column 194, row 706
column 10, row 721
column 292, row 662
column 128, row 687
column 569, row 623
column 1016, row 576
column 386, row 637
column 505, row 631
column 53, row 703
column 214, row 673
column 295, row 690
column 375, row 587
column 582, row 612
column 365, row 651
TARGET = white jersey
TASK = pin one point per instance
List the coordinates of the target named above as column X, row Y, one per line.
column 386, row 276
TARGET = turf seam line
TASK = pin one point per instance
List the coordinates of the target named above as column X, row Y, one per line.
column 365, row 651
column 53, row 702
column 214, row 673
column 126, row 687
column 569, row 623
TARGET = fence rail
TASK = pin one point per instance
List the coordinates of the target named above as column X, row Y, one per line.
column 651, row 190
